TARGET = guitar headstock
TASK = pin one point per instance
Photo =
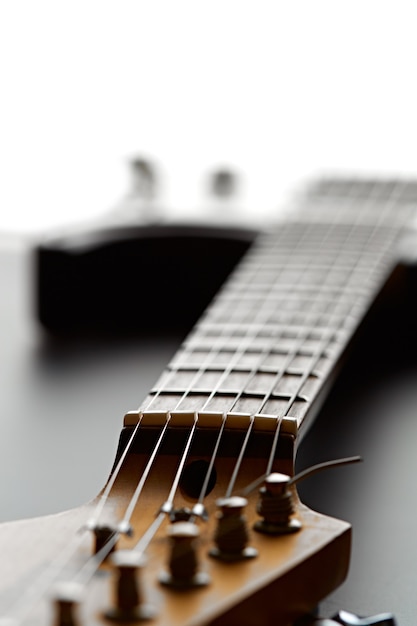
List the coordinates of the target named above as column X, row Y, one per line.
column 177, row 561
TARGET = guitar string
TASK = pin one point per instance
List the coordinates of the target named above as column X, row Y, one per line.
column 132, row 504
column 148, row 535
column 38, row 588
column 207, row 477
column 212, row 392
column 376, row 264
column 267, row 395
column 255, row 369
column 318, row 355
column 59, row 564
column 296, row 349
column 168, row 504
column 254, row 372
column 103, row 498
column 290, row 403
column 153, row 528
column 215, row 348
column 292, row 399
column 151, row 531
column 146, row 538
column 129, row 446
column 315, row 360
column 230, row 488
column 281, row 372
column 210, row 467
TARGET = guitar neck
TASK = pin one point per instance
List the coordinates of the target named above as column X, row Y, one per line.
column 276, row 331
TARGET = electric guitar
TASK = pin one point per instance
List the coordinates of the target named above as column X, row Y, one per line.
column 200, row 521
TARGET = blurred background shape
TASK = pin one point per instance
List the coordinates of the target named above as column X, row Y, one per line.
column 275, row 90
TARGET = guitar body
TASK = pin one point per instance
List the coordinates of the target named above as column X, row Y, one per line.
column 291, row 572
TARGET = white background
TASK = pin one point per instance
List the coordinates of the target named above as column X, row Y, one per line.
column 278, row 90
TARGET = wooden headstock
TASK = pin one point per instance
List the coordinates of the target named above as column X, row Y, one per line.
column 286, row 579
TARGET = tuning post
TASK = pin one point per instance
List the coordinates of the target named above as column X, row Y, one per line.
column 232, row 535
column 276, row 503
column 183, row 562
column 107, row 534
column 199, row 510
column 183, row 514
column 67, row 598
column 129, row 605
column 167, row 508
column 276, row 506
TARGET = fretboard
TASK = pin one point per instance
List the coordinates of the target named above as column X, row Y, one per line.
column 274, row 334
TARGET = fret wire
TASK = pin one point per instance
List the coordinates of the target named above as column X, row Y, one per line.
column 271, row 457
column 348, row 322
column 215, row 348
column 31, row 591
column 290, row 355
column 238, row 353
column 319, row 352
column 308, row 373
column 243, row 346
column 283, row 370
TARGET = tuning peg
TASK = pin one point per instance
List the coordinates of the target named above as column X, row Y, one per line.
column 183, row 562
column 232, row 536
column 276, row 506
column 128, row 596
column 67, row 597
column 107, row 534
